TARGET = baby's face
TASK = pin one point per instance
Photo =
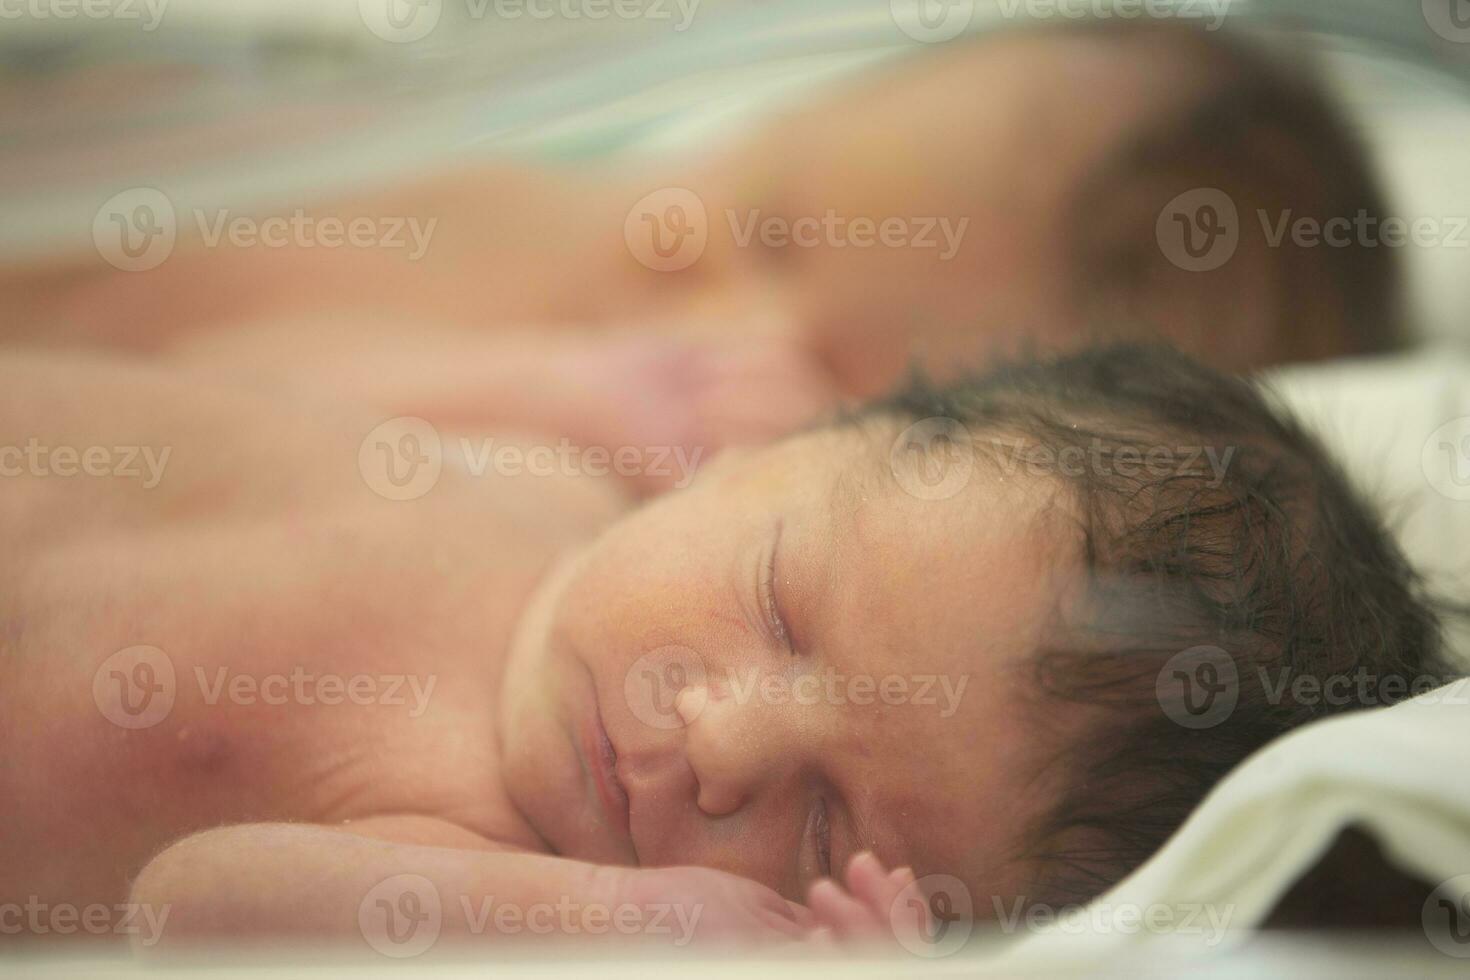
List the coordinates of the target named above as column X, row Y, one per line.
column 793, row 660
column 972, row 156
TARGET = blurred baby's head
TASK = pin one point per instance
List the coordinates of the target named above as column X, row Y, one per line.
column 950, row 629
column 1148, row 179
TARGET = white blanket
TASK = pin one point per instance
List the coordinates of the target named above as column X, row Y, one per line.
column 1401, row 428
column 1398, row 773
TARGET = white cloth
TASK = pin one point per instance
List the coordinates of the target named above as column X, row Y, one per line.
column 1398, row 773
column 1400, row 427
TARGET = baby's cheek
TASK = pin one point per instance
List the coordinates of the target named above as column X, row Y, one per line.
column 753, row 846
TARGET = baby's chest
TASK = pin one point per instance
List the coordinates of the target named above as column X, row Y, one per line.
column 228, row 676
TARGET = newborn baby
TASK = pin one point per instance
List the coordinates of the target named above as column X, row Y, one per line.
column 295, row 689
column 1038, row 165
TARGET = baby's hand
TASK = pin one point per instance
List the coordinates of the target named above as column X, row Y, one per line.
column 700, row 396
column 719, row 906
column 877, row 906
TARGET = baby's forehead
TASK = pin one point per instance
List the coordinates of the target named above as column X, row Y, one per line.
column 961, row 545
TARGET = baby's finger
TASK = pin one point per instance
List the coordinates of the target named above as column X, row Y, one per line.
column 870, row 883
column 803, row 915
column 848, row 917
column 822, row 938
column 910, row 915
column 781, row 925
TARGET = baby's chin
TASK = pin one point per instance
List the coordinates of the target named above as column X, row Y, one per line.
column 540, row 769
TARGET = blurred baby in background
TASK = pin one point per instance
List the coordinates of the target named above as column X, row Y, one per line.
column 1035, row 190
column 1035, row 193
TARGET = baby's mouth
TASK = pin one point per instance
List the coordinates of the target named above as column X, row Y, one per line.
column 602, row 759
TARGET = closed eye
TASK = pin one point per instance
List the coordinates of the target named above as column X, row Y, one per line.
column 769, row 600
column 818, row 838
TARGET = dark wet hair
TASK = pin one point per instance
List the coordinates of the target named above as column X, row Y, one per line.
column 1271, row 567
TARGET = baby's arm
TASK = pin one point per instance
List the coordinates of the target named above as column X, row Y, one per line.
column 641, row 390
column 409, row 885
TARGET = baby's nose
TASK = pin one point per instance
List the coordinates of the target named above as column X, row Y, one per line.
column 689, row 702
column 736, row 743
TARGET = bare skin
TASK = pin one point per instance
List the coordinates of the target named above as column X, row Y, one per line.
column 511, row 610
column 990, row 139
column 265, row 551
